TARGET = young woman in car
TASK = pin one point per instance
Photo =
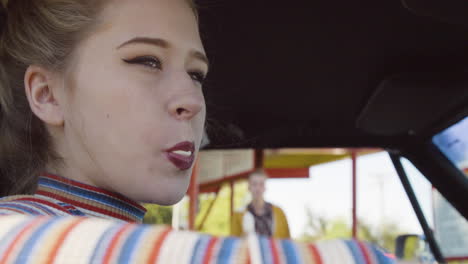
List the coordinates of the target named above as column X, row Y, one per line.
column 101, row 108
column 101, row 105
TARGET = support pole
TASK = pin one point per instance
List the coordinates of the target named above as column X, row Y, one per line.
column 354, row 212
column 193, row 194
column 231, row 185
column 258, row 159
column 208, row 211
column 417, row 208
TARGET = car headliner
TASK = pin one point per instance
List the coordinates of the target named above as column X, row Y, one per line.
column 301, row 73
column 339, row 73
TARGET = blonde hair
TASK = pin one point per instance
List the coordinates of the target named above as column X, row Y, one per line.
column 43, row 33
column 258, row 173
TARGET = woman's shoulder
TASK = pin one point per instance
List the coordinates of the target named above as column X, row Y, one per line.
column 14, row 204
column 102, row 240
column 29, row 205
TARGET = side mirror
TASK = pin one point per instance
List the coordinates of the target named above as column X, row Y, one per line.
column 409, row 247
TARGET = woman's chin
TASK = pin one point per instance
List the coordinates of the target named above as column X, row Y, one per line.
column 166, row 201
column 169, row 202
column 166, row 197
column 164, row 188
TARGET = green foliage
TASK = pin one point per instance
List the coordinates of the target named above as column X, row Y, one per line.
column 218, row 221
column 383, row 235
column 157, row 214
column 319, row 228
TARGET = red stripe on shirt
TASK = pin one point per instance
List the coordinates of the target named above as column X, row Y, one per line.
column 13, row 210
column 18, row 237
column 45, row 203
column 364, row 252
column 209, row 250
column 85, row 206
column 157, row 247
column 113, row 244
column 61, row 238
column 315, row 254
column 274, row 251
column 94, row 189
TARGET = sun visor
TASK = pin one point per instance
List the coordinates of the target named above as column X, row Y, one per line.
column 410, row 103
column 449, row 11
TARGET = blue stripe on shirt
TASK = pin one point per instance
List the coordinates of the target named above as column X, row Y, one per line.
column 93, row 196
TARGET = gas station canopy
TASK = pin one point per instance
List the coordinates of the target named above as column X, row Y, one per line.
column 216, row 167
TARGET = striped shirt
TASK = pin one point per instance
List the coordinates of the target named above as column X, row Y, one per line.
column 44, row 240
column 60, row 196
column 64, row 237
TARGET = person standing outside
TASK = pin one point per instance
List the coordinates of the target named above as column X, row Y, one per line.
column 260, row 216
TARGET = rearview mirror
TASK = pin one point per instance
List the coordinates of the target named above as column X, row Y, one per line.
column 407, row 247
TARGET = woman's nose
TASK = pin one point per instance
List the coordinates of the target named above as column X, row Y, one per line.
column 186, row 98
column 187, row 105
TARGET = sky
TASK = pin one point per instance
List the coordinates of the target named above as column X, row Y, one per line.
column 327, row 192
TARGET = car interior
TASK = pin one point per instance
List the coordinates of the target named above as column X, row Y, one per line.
column 388, row 74
column 309, row 74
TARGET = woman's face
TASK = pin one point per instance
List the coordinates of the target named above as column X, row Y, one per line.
column 135, row 109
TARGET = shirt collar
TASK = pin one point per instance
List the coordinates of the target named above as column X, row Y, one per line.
column 93, row 201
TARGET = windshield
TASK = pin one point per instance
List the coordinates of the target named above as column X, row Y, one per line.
column 453, row 142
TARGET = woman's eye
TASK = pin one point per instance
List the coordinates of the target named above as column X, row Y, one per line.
column 197, row 76
column 147, row 61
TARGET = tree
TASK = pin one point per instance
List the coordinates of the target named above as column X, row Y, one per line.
column 218, row 221
column 383, row 235
column 320, row 228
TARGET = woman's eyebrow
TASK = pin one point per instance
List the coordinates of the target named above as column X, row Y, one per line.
column 163, row 44
column 146, row 40
column 201, row 56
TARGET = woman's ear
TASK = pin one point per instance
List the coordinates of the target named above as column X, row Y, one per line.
column 41, row 91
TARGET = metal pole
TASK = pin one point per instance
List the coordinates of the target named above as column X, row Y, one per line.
column 417, row 208
column 354, row 168
column 231, row 185
column 208, row 211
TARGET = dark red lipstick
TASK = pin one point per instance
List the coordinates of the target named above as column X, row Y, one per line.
column 182, row 155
